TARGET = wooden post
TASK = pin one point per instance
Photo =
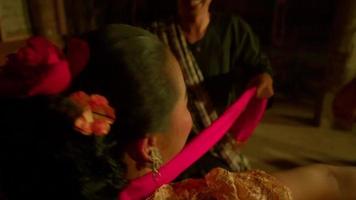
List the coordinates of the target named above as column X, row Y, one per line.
column 343, row 44
column 342, row 67
column 44, row 19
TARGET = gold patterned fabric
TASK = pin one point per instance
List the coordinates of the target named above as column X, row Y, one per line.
column 220, row 184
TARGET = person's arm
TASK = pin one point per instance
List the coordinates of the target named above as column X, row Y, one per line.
column 248, row 54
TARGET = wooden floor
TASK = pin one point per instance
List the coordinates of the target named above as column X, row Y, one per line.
column 286, row 139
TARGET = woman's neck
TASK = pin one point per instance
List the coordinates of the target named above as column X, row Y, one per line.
column 194, row 26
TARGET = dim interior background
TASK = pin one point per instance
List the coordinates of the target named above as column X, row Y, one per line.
column 311, row 45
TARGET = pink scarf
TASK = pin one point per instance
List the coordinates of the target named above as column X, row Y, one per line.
column 241, row 118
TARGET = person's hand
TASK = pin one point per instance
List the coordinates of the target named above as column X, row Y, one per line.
column 264, row 84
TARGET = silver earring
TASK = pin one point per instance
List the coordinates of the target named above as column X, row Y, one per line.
column 156, row 162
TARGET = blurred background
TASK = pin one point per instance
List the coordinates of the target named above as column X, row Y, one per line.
column 311, row 45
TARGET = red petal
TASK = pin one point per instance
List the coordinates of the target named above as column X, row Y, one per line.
column 77, row 55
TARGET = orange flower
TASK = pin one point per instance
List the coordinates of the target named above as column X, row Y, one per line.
column 82, row 126
column 97, row 100
column 97, row 115
column 83, row 122
column 80, row 98
column 101, row 127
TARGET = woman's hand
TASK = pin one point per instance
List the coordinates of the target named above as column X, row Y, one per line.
column 264, row 84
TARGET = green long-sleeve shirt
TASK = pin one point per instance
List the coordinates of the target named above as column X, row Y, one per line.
column 229, row 55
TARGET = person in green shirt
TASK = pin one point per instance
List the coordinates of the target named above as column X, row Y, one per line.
column 220, row 57
column 226, row 50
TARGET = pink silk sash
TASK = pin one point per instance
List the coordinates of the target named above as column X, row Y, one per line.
column 240, row 119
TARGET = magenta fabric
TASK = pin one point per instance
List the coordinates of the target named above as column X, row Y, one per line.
column 37, row 68
column 241, row 118
column 56, row 80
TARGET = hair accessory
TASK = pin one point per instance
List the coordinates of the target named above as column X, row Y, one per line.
column 92, row 114
column 78, row 53
column 37, row 68
column 40, row 68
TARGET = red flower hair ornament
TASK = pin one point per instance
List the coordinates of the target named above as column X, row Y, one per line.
column 40, row 68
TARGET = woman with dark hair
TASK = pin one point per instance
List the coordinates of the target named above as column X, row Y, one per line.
column 129, row 67
column 120, row 118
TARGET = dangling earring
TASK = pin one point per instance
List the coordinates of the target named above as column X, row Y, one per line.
column 156, row 162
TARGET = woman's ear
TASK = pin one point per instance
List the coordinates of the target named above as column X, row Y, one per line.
column 140, row 151
column 144, row 147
